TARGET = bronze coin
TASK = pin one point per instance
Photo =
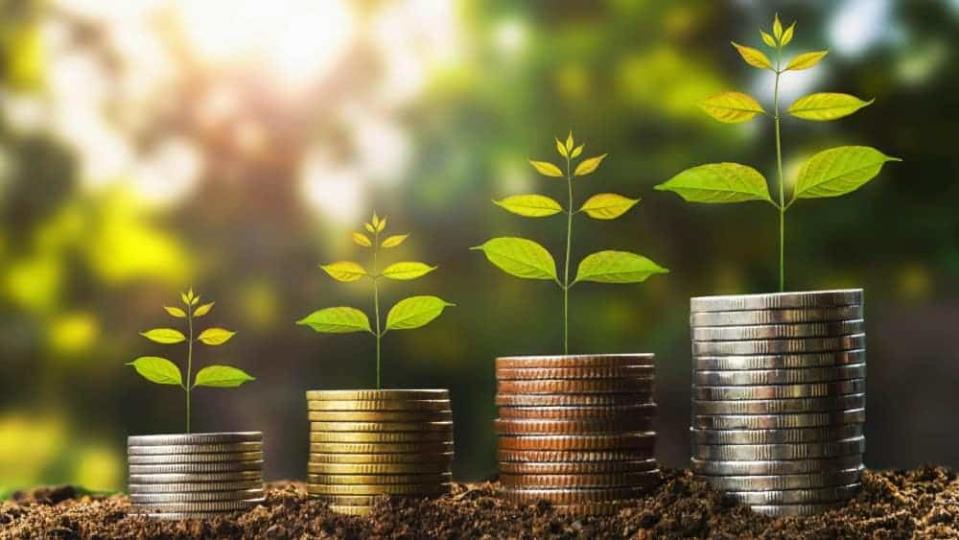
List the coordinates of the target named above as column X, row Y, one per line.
column 616, row 441
column 608, row 412
column 380, row 436
column 351, row 510
column 412, row 458
column 600, row 480
column 377, row 395
column 576, row 467
column 426, row 447
column 573, row 400
column 382, row 426
column 577, row 373
column 513, row 426
column 385, row 405
column 379, row 468
column 378, row 489
column 575, row 456
column 571, row 495
column 575, row 386
column 379, row 479
column 380, row 416
column 574, row 360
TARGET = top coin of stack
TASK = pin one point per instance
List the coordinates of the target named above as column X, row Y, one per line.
column 369, row 443
column 779, row 398
column 576, row 430
column 195, row 475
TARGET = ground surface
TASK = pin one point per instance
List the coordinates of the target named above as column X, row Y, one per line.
column 922, row 503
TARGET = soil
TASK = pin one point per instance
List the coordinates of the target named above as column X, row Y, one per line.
column 921, row 503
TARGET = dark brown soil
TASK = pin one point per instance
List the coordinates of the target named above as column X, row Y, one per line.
column 922, row 503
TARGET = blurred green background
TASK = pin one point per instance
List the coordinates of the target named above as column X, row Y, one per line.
column 153, row 144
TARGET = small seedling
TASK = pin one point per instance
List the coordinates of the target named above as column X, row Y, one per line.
column 407, row 314
column 162, row 371
column 829, row 173
column 528, row 259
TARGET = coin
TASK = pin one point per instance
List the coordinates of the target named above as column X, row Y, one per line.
column 381, row 427
column 598, row 480
column 783, row 510
column 576, row 467
column 781, row 421
column 779, row 361
column 367, row 459
column 210, row 506
column 780, row 406
column 779, row 376
column 196, row 496
column 609, row 412
column 374, row 436
column 194, row 458
column 778, row 331
column 378, row 479
column 563, row 400
column 571, row 373
column 376, row 395
column 779, row 346
column 775, row 316
column 350, row 500
column 575, row 386
column 194, row 438
column 779, row 391
column 794, row 496
column 570, row 495
column 769, row 452
column 164, row 450
column 378, row 468
column 591, row 509
column 197, row 467
column 776, row 467
column 787, row 481
column 189, row 478
column 571, row 427
column 574, row 361
column 426, row 447
column 351, row 510
column 378, row 489
column 573, row 456
column 195, row 487
column 382, row 405
column 783, row 300
column 380, row 416
column 177, row 516
column 776, row 436
column 578, row 442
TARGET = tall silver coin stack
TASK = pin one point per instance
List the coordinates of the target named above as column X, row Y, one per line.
column 779, row 398
column 196, row 475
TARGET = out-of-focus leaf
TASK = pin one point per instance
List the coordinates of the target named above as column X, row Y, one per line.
column 777, row 26
column 732, row 107
column 561, row 148
column 520, row 257
column 806, row 60
column 546, row 168
column 395, row 240
column 382, row 225
column 215, row 336
column 337, row 320
column 220, row 376
column 570, row 142
column 767, row 39
column 531, row 205
column 577, row 151
column 826, row 106
column 607, row 205
column 158, row 370
column 361, row 239
column 203, row 310
column 617, row 267
column 788, row 35
column 166, row 336
column 414, row 312
column 407, row 270
column 753, row 57
column 175, row 312
column 718, row 183
column 588, row 165
column 345, row 271
column 838, row 171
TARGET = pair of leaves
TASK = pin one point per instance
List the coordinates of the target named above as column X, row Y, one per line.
column 407, row 314
column 585, row 167
column 169, row 336
column 567, row 150
column 347, row 271
column 736, row 107
column 197, row 313
column 162, row 371
column 758, row 59
column 603, row 206
column 361, row 239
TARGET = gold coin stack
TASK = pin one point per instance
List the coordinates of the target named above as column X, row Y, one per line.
column 576, row 431
column 369, row 443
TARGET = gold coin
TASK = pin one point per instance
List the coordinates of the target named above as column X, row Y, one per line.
column 381, row 459
column 351, row 510
column 380, row 416
column 426, row 447
column 599, row 480
column 349, row 500
column 379, row 479
column 376, row 395
column 378, row 468
column 591, row 509
column 382, row 426
column 623, row 440
column 571, row 496
column 576, row 467
column 378, row 489
column 385, row 405
column 380, row 437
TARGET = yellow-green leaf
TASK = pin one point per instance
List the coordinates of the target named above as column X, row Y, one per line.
column 369, row 228
column 569, row 141
column 393, row 241
column 607, row 205
column 826, row 106
column 577, row 151
column 361, row 239
column 414, row 312
column 187, row 297
column 407, row 270
column 838, row 171
column 520, row 257
column 203, row 310
column 345, row 271
column 530, row 205
column 588, row 165
column 337, row 320
column 561, row 148
column 806, row 60
column 546, row 168
column 166, row 336
column 788, row 35
column 382, row 225
column 777, row 27
column 732, row 107
column 175, row 311
column 375, row 221
column 215, row 336
column 617, row 267
column 220, row 376
column 158, row 370
column 767, row 39
column 754, row 57
column 718, row 183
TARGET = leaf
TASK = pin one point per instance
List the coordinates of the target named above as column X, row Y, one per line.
column 838, row 171
column 826, row 106
column 788, row 35
column 577, row 151
column 561, row 148
column 158, row 370
column 369, row 228
column 203, row 310
column 414, row 312
column 337, row 320
column 382, row 225
column 718, row 183
column 407, row 270
column 166, row 336
column 617, row 267
column 607, row 205
column 215, row 336
column 394, row 240
column 219, row 376
column 587, row 166
column 546, row 168
column 777, row 27
column 569, row 141
column 767, row 39
column 520, row 257
column 805, row 60
column 345, row 271
column 186, row 297
column 753, row 57
column 361, row 239
column 530, row 205
column 175, row 311
column 375, row 222
column 732, row 107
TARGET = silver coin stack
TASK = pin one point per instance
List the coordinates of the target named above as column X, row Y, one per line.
column 779, row 398
column 192, row 476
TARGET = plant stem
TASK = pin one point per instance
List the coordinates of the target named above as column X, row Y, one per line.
column 569, row 240
column 376, row 305
column 782, row 188
column 189, row 366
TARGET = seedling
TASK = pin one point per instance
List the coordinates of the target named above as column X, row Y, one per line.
column 407, row 314
column 529, row 260
column 162, row 371
column 829, row 173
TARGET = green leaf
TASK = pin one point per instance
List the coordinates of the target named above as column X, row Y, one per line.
column 570, row 142
column 219, row 376
column 788, row 35
column 166, row 336
column 826, row 106
column 546, row 168
column 617, row 267
column 607, row 205
column 753, row 57
column 345, row 271
column 530, row 205
column 203, row 310
column 520, row 257
column 175, row 311
column 337, row 320
column 381, row 225
column 361, row 239
column 407, row 270
column 718, row 183
column 732, row 107
column 587, row 166
column 805, row 60
column 215, row 336
column 838, row 171
column 767, row 39
column 158, row 370
column 393, row 241
column 414, row 312
column 777, row 27
column 561, row 148
column 577, row 151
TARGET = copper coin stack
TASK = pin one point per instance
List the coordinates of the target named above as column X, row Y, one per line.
column 576, row 431
column 368, row 443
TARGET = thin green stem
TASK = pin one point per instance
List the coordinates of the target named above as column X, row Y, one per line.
column 569, row 241
column 189, row 366
column 782, row 188
column 376, row 306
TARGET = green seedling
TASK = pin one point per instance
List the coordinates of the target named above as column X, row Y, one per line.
column 407, row 314
column 829, row 173
column 528, row 259
column 162, row 371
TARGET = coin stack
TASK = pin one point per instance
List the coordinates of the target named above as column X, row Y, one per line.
column 576, row 430
column 197, row 475
column 779, row 398
column 369, row 443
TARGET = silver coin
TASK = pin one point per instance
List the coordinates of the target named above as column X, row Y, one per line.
column 178, row 516
column 779, row 391
column 775, row 316
column 190, row 478
column 775, row 467
column 196, row 496
column 195, row 487
column 194, row 458
column 779, row 361
column 225, row 448
column 210, row 506
column 195, row 438
column 197, row 467
column 775, row 452
column 776, row 436
column 781, row 421
column 779, row 346
column 784, row 510
column 785, row 481
column 778, row 331
column 783, row 300
column 797, row 496
column 779, row 376
column 780, row 406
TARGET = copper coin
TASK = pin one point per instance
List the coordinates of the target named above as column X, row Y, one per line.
column 565, row 400
column 578, row 442
column 608, row 412
column 575, row 386
column 571, row 427
column 575, row 361
column 576, row 467
column 575, row 456
column 602, row 372
column 599, row 480
column 571, row 495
